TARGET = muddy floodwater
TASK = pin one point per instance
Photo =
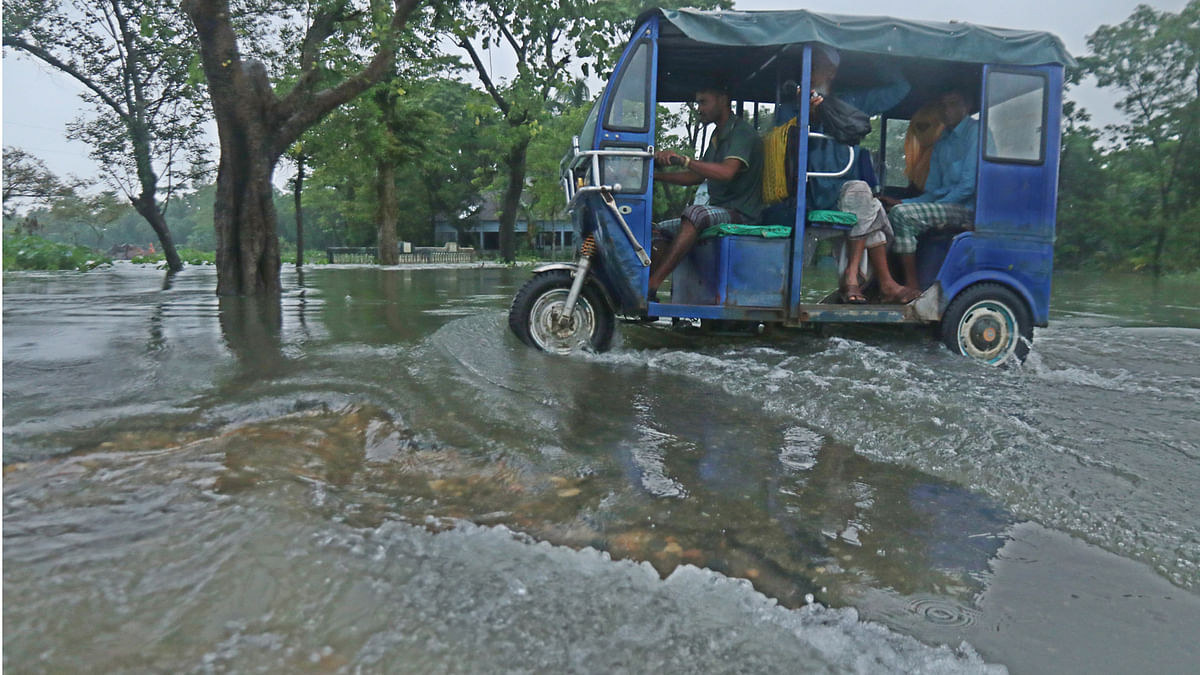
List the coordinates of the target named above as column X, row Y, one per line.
column 373, row 475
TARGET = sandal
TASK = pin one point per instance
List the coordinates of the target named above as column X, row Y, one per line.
column 852, row 294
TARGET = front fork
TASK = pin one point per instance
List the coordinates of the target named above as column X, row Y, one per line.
column 586, row 250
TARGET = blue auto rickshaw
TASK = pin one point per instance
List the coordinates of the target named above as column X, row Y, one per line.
column 983, row 289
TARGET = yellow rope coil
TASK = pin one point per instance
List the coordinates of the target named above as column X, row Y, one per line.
column 774, row 177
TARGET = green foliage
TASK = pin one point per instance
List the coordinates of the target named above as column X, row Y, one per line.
column 31, row 252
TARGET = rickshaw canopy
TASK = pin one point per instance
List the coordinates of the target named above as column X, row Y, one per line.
column 749, row 46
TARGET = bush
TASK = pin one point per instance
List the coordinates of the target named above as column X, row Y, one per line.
column 30, row 252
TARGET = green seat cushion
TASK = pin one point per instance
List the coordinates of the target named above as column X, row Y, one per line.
column 733, row 229
column 832, row 217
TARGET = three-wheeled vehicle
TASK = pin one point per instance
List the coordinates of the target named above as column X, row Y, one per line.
column 984, row 288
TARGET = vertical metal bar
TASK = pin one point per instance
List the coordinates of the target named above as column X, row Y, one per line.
column 794, row 298
column 581, row 270
column 882, row 160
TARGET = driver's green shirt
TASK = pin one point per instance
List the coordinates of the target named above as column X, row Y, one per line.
column 744, row 192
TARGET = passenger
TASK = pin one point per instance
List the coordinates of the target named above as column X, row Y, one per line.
column 948, row 200
column 732, row 165
column 846, row 193
column 924, row 129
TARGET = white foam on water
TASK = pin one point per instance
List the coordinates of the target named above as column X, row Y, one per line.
column 486, row 598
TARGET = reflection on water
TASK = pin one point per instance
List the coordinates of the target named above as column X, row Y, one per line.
column 233, row 484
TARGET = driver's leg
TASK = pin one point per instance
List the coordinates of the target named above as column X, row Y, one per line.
column 683, row 242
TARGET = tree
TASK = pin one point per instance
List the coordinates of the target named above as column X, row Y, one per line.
column 256, row 125
column 1153, row 59
column 26, row 177
column 1083, row 194
column 132, row 57
column 547, row 38
column 432, row 136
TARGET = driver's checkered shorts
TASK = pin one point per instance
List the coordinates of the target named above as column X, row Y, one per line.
column 703, row 217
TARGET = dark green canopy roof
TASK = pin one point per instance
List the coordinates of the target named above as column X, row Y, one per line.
column 951, row 41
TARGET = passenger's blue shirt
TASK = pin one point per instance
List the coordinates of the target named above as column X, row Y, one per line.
column 828, row 156
column 952, row 166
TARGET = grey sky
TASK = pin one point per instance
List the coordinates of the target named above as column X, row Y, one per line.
column 38, row 102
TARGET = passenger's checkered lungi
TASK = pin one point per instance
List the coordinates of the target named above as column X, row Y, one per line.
column 910, row 219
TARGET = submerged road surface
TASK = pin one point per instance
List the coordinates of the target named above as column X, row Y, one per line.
column 373, row 475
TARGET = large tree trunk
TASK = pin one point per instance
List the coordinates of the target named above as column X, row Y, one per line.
column 512, row 198
column 244, row 215
column 244, row 212
column 388, row 212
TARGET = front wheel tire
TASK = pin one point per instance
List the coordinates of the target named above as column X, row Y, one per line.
column 536, row 313
column 989, row 323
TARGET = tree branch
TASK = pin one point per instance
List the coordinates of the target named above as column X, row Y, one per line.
column 520, row 49
column 323, row 26
column 53, row 61
column 299, row 117
column 483, row 75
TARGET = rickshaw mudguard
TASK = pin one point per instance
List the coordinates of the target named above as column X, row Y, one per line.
column 616, row 266
column 1022, row 265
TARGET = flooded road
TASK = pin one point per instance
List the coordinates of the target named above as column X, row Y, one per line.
column 373, row 475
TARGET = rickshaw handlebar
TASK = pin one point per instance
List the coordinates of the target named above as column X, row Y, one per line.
column 839, row 174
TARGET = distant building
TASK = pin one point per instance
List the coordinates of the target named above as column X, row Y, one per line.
column 483, row 230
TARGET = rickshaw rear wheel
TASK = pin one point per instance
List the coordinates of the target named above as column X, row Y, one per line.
column 989, row 323
column 536, row 313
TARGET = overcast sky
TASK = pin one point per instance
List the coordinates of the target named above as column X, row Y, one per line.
column 38, row 102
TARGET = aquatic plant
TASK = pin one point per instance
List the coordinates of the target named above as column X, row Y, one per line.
column 31, row 252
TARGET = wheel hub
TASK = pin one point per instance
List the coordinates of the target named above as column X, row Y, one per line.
column 988, row 332
column 555, row 332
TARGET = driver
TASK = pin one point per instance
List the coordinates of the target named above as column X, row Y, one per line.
column 732, row 165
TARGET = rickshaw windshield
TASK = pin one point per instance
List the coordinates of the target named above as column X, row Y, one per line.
column 589, row 125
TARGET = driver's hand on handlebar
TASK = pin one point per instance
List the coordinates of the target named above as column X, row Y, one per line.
column 665, row 158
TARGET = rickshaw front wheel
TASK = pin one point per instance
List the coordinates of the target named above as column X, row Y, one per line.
column 536, row 315
column 989, row 323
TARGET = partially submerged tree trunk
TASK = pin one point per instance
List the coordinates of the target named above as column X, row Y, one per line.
column 147, row 207
column 298, row 191
column 388, row 212
column 511, row 205
column 256, row 127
